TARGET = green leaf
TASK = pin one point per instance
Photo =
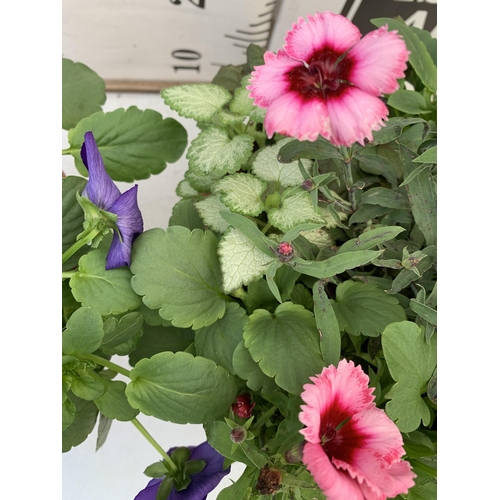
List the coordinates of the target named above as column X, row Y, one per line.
column 426, row 491
column 241, row 261
column 370, row 239
column 378, row 165
column 157, row 339
column 241, row 103
column 210, row 210
column 248, row 369
column 87, row 387
column 365, row 213
column 321, row 149
column 422, row 195
column 365, row 309
column 68, row 413
column 213, row 152
column 219, row 340
column 429, row 156
column 119, row 331
column 393, row 129
column 327, row 324
column 255, row 57
column 113, row 403
column 293, row 210
column 72, row 218
column 108, row 291
column 83, row 92
column 180, row 388
column 102, row 430
column 134, row 144
column 389, row 198
column 334, row 265
column 411, row 362
column 83, row 423
column 242, row 193
column 241, row 488
column 416, row 172
column 428, row 40
column 197, row 100
column 275, row 339
column 185, row 214
column 420, row 59
column 84, row 332
column 267, row 167
column 424, row 311
column 178, row 272
column 408, row 101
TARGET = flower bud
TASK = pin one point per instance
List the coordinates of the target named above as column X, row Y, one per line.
column 242, row 407
column 285, row 251
column 238, row 434
column 308, row 185
column 269, row 481
column 294, row 455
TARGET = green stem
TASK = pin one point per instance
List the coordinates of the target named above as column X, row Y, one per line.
column 266, row 228
column 349, row 182
column 87, row 236
column 106, row 363
column 67, row 274
column 153, row 442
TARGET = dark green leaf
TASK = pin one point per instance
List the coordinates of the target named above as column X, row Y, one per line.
column 393, row 129
column 327, row 324
column 389, row 198
column 83, row 423
column 113, row 403
column 429, row 156
column 68, row 413
column 119, row 331
column 84, row 332
column 247, row 369
column 83, row 92
column 378, row 165
column 185, row 214
column 241, row 488
column 424, row 311
column 134, row 144
column 229, row 77
column 370, row 239
column 320, row 149
column 178, row 272
column 102, row 430
column 408, row 101
column 365, row 213
column 180, row 388
column 255, row 56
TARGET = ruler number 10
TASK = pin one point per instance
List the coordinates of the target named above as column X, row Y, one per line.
column 186, row 55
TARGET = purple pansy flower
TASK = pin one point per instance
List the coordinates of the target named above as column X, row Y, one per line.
column 102, row 192
column 202, row 483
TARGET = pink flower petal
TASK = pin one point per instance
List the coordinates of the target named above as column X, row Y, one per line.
column 354, row 115
column 343, row 391
column 379, row 60
column 335, row 484
column 294, row 116
column 322, row 30
column 270, row 81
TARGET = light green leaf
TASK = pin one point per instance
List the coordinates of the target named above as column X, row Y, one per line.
column 119, row 331
column 267, row 167
column 108, row 291
column 102, row 430
column 219, row 340
column 210, row 209
column 87, row 387
column 242, row 193
column 197, row 100
column 424, row 311
column 370, row 239
column 213, row 152
column 429, row 156
column 113, row 403
column 185, row 190
column 84, row 332
column 411, row 362
column 247, row 369
column 83, row 92
column 202, row 183
column 185, row 214
column 181, row 388
column 241, row 103
column 275, row 339
column 134, row 144
column 420, row 59
column 365, row 309
column 334, row 265
column 294, row 210
column 327, row 324
column 241, row 261
column 408, row 101
column 178, row 272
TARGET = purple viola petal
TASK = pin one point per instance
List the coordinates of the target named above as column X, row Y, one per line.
column 130, row 225
column 202, row 483
column 100, row 188
column 149, row 492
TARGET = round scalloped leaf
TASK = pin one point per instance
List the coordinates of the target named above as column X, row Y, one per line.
column 219, row 340
column 134, row 144
column 108, row 291
column 241, row 261
column 84, row 332
column 247, row 369
column 197, row 100
column 266, row 166
column 242, row 193
column 178, row 272
column 181, row 388
column 213, row 152
column 275, row 340
column 113, row 403
column 83, row 92
column 366, row 309
column 82, row 425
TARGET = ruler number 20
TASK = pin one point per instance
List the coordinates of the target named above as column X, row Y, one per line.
column 187, row 55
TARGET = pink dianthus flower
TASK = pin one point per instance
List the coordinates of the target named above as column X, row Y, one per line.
column 353, row 449
column 328, row 81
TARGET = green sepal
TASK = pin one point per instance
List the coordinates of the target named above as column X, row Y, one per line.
column 157, row 469
column 194, row 466
column 165, row 489
column 180, row 455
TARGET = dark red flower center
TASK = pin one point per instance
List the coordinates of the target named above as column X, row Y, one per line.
column 325, row 75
